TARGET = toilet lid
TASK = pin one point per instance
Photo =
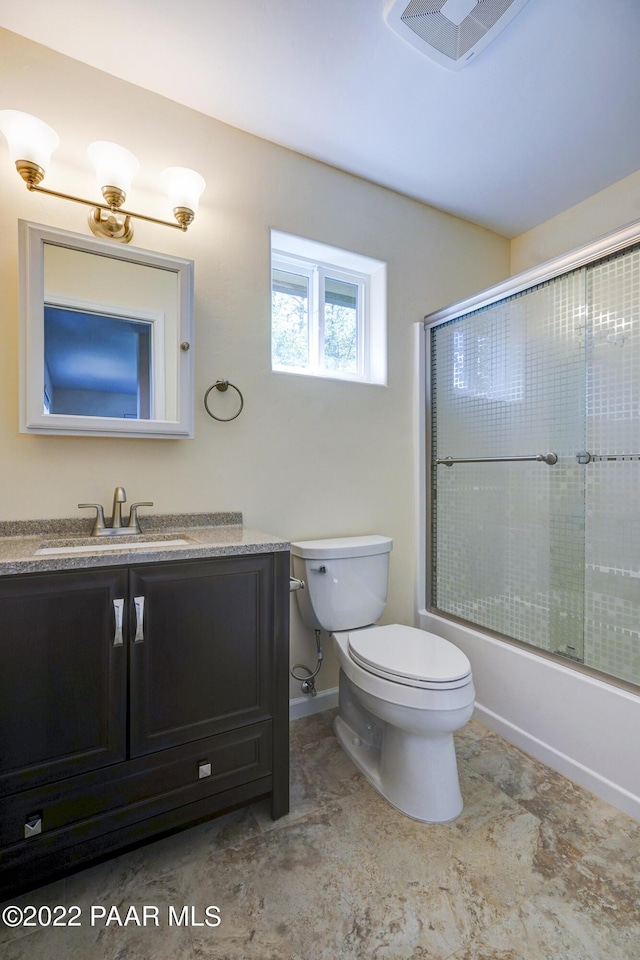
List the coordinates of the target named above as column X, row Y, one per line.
column 409, row 655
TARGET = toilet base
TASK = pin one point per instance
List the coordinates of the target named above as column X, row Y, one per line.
column 417, row 774
column 366, row 758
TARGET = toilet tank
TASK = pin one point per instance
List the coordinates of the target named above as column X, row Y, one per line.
column 346, row 580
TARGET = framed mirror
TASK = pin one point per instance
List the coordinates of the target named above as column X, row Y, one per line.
column 106, row 338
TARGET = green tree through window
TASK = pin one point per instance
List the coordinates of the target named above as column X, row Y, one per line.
column 328, row 311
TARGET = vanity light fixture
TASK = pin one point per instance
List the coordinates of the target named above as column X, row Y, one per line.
column 31, row 143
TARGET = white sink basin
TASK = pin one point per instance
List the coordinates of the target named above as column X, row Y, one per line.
column 110, row 543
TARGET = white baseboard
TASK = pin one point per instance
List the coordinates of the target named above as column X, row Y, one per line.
column 613, row 793
column 308, row 705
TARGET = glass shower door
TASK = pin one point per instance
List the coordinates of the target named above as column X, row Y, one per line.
column 612, row 568
column 507, row 530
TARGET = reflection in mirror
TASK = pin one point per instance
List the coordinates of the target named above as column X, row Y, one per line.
column 106, row 337
column 96, row 365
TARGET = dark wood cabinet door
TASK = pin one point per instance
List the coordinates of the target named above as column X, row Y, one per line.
column 62, row 678
column 201, row 649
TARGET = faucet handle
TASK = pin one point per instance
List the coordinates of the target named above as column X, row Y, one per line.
column 133, row 523
column 99, row 524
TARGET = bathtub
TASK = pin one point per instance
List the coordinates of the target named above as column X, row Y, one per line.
column 581, row 726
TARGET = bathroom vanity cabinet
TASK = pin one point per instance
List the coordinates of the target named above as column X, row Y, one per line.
column 136, row 699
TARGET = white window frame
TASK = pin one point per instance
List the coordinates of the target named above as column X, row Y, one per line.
column 319, row 262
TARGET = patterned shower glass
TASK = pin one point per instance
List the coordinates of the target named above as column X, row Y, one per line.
column 612, row 569
column 508, row 537
column 549, row 555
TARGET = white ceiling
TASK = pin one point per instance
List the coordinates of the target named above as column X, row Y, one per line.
column 547, row 115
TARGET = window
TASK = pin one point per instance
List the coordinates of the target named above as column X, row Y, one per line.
column 328, row 311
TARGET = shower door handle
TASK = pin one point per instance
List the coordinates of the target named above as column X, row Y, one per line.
column 585, row 457
column 549, row 458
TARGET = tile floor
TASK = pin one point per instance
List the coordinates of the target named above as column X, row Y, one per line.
column 535, row 867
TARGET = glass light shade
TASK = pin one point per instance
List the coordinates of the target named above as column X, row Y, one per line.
column 184, row 187
column 115, row 166
column 28, row 138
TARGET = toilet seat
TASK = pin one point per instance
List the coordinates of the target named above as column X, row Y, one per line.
column 409, row 656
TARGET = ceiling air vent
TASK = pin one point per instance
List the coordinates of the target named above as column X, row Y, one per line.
column 452, row 32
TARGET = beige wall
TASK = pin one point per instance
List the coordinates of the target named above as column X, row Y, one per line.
column 308, row 457
column 596, row 216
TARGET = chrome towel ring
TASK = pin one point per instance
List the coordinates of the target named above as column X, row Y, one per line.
column 223, row 385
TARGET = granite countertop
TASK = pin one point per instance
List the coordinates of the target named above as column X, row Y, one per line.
column 206, row 535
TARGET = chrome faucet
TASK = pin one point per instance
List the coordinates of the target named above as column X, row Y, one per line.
column 117, row 527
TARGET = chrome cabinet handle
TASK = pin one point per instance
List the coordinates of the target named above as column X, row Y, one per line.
column 118, row 609
column 138, row 602
column 33, row 826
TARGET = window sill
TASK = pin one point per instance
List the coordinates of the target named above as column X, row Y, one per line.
column 316, row 375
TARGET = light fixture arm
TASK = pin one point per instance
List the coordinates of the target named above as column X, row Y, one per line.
column 105, row 206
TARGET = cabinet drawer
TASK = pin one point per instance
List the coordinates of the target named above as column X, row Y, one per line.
column 96, row 803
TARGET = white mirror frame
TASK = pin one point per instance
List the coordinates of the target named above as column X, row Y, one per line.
column 33, row 419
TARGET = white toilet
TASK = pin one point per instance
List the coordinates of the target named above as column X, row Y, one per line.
column 403, row 691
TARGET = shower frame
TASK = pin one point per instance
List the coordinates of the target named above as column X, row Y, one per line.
column 583, row 256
